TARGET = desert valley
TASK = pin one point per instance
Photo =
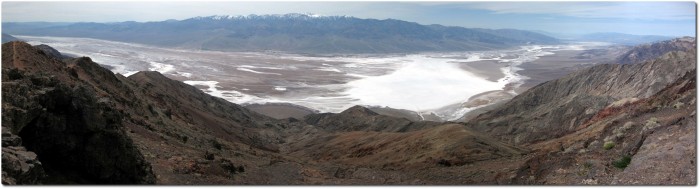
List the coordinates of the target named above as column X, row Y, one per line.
column 305, row 99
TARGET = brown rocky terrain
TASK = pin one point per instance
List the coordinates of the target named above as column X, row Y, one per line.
column 557, row 107
column 70, row 121
column 650, row 51
column 656, row 135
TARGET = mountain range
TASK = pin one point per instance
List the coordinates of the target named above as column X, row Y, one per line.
column 70, row 121
column 609, row 37
column 298, row 33
column 621, row 38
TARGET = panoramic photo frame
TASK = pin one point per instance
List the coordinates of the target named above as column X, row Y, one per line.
column 349, row 93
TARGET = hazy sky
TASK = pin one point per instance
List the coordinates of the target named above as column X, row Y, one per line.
column 654, row 18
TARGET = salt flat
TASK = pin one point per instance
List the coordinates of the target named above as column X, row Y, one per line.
column 427, row 82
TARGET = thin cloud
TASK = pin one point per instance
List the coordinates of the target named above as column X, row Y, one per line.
column 622, row 10
column 658, row 18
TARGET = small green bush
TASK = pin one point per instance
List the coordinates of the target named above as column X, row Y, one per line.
column 622, row 162
column 608, row 145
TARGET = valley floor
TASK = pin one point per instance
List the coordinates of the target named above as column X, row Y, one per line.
column 335, row 83
column 69, row 120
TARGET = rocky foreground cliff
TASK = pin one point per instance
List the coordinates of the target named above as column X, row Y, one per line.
column 70, row 121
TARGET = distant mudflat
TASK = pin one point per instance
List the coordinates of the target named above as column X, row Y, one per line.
column 560, row 64
column 439, row 84
column 488, row 69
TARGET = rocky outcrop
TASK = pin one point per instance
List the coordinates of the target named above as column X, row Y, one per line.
column 88, row 125
column 19, row 166
column 557, row 107
column 50, row 51
column 77, row 137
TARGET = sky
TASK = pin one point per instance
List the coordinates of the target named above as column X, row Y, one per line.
column 641, row 18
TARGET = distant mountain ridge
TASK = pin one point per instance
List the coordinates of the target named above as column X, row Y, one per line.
column 624, row 39
column 299, row 33
column 650, row 51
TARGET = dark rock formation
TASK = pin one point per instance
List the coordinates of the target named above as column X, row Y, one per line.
column 77, row 137
column 20, row 166
column 50, row 51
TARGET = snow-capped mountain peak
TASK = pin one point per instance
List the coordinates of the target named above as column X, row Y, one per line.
column 268, row 16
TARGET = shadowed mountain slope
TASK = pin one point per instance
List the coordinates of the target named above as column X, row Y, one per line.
column 358, row 118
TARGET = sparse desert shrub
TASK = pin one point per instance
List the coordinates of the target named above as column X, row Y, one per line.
column 208, row 156
column 623, row 102
column 622, row 162
column 589, row 182
column 653, row 120
column 583, row 150
column 15, row 74
column 619, row 132
column 445, row 163
column 216, row 144
column 152, row 109
column 230, row 167
column 585, row 168
column 627, row 126
column 593, row 145
column 678, row 105
column 608, row 145
column 651, row 123
column 168, row 113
